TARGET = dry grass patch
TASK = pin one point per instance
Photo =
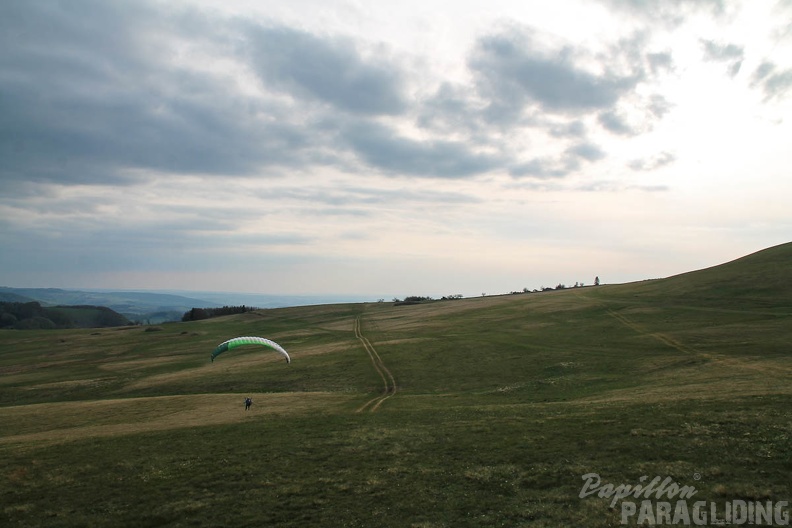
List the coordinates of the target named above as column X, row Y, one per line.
column 227, row 365
column 69, row 384
column 711, row 381
column 47, row 424
column 140, row 364
column 315, row 350
column 171, row 377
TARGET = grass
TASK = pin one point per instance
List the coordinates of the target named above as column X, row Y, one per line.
column 502, row 404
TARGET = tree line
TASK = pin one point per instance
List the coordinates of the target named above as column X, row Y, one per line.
column 417, row 299
column 32, row 316
column 198, row 314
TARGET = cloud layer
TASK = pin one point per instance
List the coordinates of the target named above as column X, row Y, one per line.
column 126, row 128
column 138, row 87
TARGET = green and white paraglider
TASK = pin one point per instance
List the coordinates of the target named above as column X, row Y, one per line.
column 249, row 340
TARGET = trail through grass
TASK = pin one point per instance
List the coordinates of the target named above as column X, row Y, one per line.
column 388, row 381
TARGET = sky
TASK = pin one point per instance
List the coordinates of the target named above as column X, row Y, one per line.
column 389, row 148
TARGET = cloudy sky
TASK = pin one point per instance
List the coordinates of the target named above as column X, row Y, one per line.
column 389, row 148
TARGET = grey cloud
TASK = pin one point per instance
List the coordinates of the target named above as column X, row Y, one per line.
column 721, row 52
column 81, row 103
column 587, row 151
column 131, row 248
column 659, row 62
column 669, row 12
column 390, row 152
column 101, row 99
column 730, row 53
column 570, row 129
column 778, row 84
column 366, row 196
column 450, row 109
column 331, row 70
column 544, row 168
column 763, row 70
column 610, row 186
column 513, row 72
column 51, row 137
column 636, row 117
column 655, row 162
column 659, row 106
column 118, row 96
column 610, row 120
column 122, row 225
column 775, row 84
column 569, row 162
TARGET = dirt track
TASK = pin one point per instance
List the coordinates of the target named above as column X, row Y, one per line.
column 771, row 369
column 388, row 381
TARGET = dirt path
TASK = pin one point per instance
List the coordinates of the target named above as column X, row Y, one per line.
column 665, row 339
column 772, row 369
column 388, row 381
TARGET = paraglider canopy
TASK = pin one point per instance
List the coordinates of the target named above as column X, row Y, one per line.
column 249, row 340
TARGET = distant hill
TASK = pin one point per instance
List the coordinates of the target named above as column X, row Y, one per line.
column 8, row 296
column 32, row 316
column 118, row 300
column 158, row 307
column 144, row 307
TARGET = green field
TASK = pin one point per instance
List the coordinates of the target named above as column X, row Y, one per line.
column 462, row 413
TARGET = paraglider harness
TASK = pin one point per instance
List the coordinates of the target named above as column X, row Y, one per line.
column 248, row 403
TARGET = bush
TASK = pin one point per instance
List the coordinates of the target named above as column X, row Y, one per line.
column 197, row 314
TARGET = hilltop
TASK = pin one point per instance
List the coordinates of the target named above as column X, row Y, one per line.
column 485, row 411
column 762, row 280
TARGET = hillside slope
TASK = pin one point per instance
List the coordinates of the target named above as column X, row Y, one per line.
column 32, row 316
column 759, row 281
column 470, row 412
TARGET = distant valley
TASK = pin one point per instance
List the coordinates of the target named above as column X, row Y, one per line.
column 154, row 307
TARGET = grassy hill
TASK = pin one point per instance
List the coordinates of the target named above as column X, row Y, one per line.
column 31, row 315
column 471, row 412
column 148, row 307
column 761, row 281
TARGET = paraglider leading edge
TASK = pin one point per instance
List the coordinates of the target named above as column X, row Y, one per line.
column 249, row 340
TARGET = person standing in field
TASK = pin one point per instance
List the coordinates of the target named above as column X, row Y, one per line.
column 248, row 403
